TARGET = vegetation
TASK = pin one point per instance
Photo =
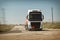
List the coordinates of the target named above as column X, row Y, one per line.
column 52, row 25
column 5, row 28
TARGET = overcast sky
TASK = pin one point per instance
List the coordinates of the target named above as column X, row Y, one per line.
column 16, row 10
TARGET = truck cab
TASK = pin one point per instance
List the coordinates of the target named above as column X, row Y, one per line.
column 34, row 20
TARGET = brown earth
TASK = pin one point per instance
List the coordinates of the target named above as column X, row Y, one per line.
column 46, row 34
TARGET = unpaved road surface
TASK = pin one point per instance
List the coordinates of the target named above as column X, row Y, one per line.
column 46, row 34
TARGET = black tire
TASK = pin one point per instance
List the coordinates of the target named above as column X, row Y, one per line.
column 41, row 29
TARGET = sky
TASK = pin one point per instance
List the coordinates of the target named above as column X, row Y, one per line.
column 16, row 10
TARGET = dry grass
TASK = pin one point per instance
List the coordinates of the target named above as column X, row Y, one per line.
column 4, row 27
column 50, row 25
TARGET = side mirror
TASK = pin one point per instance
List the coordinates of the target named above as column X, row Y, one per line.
column 42, row 17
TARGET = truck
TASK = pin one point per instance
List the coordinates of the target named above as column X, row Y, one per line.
column 34, row 20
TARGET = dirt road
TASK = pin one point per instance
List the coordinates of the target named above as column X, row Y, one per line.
column 47, row 34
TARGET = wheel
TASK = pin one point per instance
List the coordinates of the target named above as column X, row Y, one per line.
column 40, row 29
